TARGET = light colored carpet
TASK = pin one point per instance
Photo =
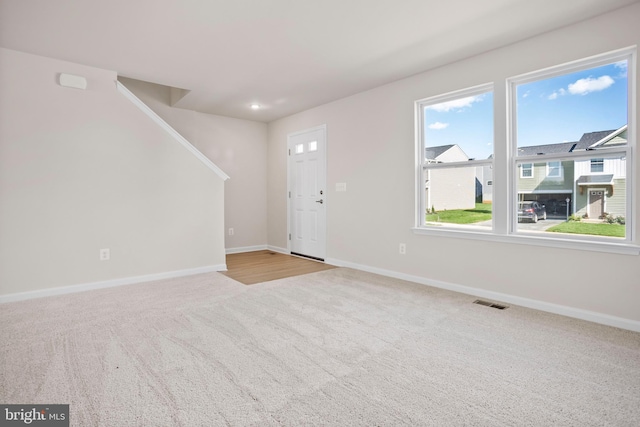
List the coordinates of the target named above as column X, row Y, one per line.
column 338, row 347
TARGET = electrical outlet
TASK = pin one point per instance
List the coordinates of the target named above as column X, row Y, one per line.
column 105, row 254
column 231, row 231
column 403, row 248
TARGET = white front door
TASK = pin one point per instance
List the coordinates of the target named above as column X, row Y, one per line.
column 307, row 192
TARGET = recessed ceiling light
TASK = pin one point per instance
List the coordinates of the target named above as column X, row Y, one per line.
column 255, row 106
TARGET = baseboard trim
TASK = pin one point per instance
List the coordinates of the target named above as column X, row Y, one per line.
column 279, row 250
column 563, row 310
column 21, row 296
column 246, row 249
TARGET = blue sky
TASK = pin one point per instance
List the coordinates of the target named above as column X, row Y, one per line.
column 549, row 111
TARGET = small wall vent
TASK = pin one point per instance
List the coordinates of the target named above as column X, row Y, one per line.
column 491, row 304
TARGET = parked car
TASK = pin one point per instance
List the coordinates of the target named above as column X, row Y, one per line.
column 532, row 211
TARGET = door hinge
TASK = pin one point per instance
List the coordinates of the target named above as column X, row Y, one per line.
column 289, row 236
column 289, row 194
column 289, row 151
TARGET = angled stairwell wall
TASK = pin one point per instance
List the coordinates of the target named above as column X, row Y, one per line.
column 237, row 146
column 85, row 170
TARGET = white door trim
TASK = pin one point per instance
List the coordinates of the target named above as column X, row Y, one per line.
column 322, row 128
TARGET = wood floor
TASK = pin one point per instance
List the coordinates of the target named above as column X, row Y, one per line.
column 263, row 266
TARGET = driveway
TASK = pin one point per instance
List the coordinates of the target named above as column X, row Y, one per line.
column 541, row 225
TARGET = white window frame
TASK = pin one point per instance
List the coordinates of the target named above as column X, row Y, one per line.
column 522, row 169
column 560, row 174
column 627, row 150
column 504, row 219
column 422, row 164
column 600, row 160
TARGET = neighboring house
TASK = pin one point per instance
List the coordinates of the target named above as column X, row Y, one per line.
column 592, row 186
column 484, row 183
column 448, row 189
column 600, row 182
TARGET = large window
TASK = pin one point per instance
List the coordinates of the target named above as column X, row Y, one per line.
column 566, row 159
column 564, row 116
column 456, row 159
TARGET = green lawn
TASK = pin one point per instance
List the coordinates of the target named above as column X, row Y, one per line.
column 482, row 212
column 576, row 227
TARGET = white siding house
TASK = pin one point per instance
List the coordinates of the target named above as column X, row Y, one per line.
column 451, row 188
column 600, row 183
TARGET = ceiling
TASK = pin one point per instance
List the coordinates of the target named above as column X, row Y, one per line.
column 286, row 55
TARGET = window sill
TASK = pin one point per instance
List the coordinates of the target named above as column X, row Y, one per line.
column 582, row 244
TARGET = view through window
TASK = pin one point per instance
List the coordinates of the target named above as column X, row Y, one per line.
column 566, row 123
column 567, row 156
column 458, row 156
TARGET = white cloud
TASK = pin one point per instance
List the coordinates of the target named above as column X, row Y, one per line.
column 559, row 92
column 588, row 85
column 621, row 64
column 438, row 125
column 456, row 104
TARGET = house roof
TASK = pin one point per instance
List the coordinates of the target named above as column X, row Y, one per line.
column 591, row 138
column 615, row 138
column 563, row 147
column 433, row 153
column 586, row 141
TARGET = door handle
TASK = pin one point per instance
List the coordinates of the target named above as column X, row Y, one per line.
column 320, row 201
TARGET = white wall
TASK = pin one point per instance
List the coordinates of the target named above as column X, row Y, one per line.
column 238, row 147
column 85, row 170
column 371, row 148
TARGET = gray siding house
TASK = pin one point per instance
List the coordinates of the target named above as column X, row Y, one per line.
column 591, row 186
